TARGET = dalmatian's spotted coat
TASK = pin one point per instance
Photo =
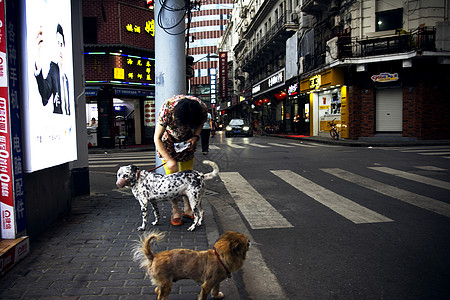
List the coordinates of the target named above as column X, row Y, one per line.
column 149, row 187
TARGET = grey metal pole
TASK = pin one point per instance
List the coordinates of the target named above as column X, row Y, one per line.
column 170, row 57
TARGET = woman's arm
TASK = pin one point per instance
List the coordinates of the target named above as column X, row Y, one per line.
column 171, row 163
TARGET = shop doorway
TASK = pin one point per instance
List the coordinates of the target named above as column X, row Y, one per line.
column 389, row 110
column 124, row 129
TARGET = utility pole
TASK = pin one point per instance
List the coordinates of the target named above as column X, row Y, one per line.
column 170, row 57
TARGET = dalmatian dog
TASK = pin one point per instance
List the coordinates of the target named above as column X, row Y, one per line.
column 149, row 187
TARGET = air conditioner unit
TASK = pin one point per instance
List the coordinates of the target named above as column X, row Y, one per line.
column 336, row 21
column 332, row 50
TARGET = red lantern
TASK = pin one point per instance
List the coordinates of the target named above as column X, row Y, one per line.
column 281, row 95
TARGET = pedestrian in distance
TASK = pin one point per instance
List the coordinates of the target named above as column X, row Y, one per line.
column 178, row 128
column 205, row 134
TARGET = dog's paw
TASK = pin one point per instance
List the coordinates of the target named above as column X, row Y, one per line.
column 192, row 227
column 140, row 228
column 155, row 223
column 218, row 296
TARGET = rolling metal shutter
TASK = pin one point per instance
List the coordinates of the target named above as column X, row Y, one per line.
column 389, row 110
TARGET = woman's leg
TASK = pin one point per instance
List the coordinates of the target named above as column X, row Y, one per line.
column 176, row 214
column 183, row 166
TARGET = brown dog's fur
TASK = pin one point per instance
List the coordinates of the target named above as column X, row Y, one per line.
column 202, row 266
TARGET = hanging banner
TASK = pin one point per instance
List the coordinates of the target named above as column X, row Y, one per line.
column 223, row 76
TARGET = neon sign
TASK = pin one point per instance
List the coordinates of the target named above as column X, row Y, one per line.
column 385, row 77
column 315, row 82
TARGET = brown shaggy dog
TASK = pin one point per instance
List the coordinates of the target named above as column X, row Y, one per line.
column 208, row 267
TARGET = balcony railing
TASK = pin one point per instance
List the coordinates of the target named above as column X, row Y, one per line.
column 280, row 25
column 421, row 39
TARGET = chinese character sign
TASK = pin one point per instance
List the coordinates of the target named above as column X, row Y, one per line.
column 135, row 69
column 223, row 75
column 137, row 25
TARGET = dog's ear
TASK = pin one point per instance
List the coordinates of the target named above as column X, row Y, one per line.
column 134, row 168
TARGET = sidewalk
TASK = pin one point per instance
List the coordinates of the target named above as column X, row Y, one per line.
column 88, row 254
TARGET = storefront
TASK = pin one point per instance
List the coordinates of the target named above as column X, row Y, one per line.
column 268, row 96
column 327, row 102
column 120, row 103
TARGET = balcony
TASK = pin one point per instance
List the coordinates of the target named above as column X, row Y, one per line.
column 274, row 38
column 342, row 47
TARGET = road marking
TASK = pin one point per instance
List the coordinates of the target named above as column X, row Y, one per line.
column 423, row 150
column 260, row 281
column 393, row 192
column 103, row 166
column 236, row 146
column 258, row 212
column 414, row 177
column 140, row 159
column 280, row 145
column 213, row 147
column 430, row 168
column 435, row 153
column 259, row 145
column 302, row 145
column 348, row 209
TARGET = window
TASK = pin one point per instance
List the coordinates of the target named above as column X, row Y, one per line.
column 389, row 20
column 90, row 30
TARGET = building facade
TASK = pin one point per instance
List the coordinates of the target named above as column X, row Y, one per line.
column 119, row 72
column 206, row 27
column 375, row 68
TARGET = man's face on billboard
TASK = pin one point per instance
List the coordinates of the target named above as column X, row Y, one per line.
column 60, row 43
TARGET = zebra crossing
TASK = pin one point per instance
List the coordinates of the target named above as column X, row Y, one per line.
column 113, row 160
column 443, row 151
column 252, row 204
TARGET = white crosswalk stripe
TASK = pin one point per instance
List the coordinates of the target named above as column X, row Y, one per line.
column 348, row 209
column 414, row 177
column 113, row 160
column 302, row 145
column 251, row 204
column 236, row 146
column 429, row 168
column 393, row 192
column 427, row 151
column 259, row 145
column 281, row 145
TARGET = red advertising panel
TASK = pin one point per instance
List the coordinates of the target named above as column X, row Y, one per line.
column 6, row 182
column 223, row 76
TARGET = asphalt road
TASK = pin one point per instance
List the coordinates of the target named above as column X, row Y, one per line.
column 336, row 222
column 332, row 222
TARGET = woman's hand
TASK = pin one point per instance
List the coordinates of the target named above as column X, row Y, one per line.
column 172, row 165
column 193, row 140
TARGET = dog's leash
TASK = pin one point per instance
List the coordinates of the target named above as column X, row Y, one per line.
column 151, row 170
column 218, row 257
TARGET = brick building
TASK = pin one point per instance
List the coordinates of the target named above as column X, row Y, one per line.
column 119, row 71
column 206, row 29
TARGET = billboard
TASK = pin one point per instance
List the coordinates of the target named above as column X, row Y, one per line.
column 48, row 100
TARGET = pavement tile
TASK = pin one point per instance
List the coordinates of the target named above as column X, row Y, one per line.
column 88, row 254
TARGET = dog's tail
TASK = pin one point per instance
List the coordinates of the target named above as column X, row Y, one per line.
column 142, row 250
column 214, row 172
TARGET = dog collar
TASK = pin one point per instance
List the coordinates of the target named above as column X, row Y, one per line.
column 138, row 174
column 218, row 257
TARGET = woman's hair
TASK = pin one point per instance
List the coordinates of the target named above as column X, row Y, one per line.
column 189, row 113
